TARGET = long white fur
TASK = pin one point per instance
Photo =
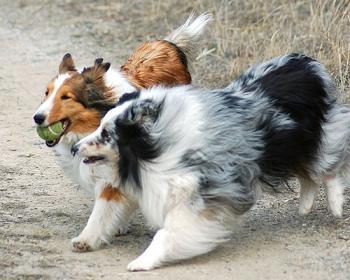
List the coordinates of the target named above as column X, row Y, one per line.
column 187, row 36
column 308, row 192
column 170, row 198
column 116, row 80
column 185, row 229
column 109, row 216
column 334, row 161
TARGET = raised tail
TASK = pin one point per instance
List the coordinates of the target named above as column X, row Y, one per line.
column 187, row 36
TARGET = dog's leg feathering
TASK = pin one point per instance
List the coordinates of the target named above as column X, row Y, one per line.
column 110, row 215
column 335, row 195
column 308, row 192
column 185, row 235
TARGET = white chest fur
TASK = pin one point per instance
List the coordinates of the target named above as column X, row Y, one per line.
column 90, row 176
column 162, row 194
column 74, row 167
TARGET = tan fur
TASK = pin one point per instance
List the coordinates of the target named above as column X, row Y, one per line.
column 67, row 64
column 156, row 63
column 82, row 119
column 152, row 63
column 110, row 193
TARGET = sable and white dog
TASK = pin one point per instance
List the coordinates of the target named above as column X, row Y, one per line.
column 194, row 160
column 80, row 99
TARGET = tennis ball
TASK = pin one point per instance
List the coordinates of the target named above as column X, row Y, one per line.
column 51, row 132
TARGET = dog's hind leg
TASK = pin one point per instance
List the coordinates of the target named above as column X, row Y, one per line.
column 185, row 234
column 111, row 213
column 308, row 192
column 335, row 194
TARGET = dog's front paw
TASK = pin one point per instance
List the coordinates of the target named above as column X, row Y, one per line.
column 81, row 245
column 122, row 230
column 141, row 264
column 304, row 209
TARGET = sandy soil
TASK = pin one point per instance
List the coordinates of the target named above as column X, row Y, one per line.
column 41, row 210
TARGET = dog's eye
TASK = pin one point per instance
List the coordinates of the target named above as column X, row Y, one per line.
column 105, row 134
column 47, row 92
column 65, row 97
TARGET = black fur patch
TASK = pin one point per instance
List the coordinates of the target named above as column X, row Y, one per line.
column 135, row 144
column 97, row 101
column 300, row 93
column 213, row 177
column 102, row 107
column 238, row 204
column 128, row 96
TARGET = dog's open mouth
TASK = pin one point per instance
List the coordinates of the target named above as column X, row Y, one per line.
column 52, row 143
column 93, row 159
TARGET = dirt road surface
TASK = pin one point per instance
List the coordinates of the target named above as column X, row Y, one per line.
column 41, row 210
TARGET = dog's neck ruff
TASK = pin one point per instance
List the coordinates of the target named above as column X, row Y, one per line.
column 73, row 166
column 115, row 80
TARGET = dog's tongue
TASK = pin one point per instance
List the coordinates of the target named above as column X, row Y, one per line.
column 92, row 159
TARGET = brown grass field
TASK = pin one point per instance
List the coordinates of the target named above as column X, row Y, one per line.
column 243, row 32
column 41, row 210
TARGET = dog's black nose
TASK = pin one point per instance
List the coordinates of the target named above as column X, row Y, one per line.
column 39, row 118
column 74, row 150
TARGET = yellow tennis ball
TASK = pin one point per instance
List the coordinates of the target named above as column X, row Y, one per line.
column 51, row 132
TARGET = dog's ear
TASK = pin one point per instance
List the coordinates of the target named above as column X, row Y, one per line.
column 99, row 65
column 95, row 73
column 135, row 122
column 67, row 64
column 133, row 129
column 93, row 76
column 142, row 112
column 96, row 89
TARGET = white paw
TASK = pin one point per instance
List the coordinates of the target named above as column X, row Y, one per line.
column 335, row 196
column 303, row 211
column 337, row 210
column 83, row 245
column 122, row 230
column 140, row 264
column 335, row 204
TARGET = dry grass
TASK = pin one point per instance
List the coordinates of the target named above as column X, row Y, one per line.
column 243, row 32
column 248, row 31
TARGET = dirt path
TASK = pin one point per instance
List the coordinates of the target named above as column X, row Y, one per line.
column 41, row 210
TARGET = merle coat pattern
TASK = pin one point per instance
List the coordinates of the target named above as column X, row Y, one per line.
column 194, row 160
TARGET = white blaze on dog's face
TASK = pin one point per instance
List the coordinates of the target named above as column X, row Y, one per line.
column 76, row 99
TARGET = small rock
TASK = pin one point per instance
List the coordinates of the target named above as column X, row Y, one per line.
column 343, row 236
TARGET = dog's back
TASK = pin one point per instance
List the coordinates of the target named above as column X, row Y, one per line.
column 199, row 157
column 300, row 88
column 264, row 128
column 267, row 125
column 166, row 62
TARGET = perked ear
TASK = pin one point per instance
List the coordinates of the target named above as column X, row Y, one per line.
column 142, row 113
column 67, row 64
column 97, row 93
column 95, row 73
column 103, row 66
column 133, row 129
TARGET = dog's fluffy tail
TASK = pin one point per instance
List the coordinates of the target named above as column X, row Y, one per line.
column 187, row 36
